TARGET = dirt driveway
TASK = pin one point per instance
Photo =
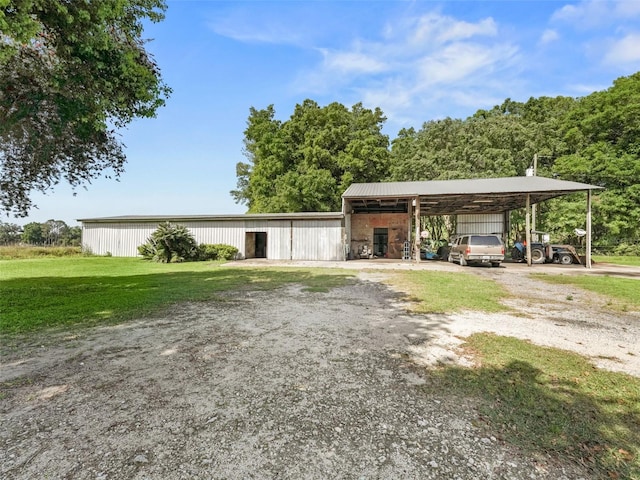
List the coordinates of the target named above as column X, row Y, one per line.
column 285, row 384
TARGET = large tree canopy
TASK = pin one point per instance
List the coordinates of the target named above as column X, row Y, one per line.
column 71, row 72
column 594, row 139
column 305, row 163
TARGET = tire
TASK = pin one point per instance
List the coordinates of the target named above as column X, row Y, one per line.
column 565, row 259
column 537, row 256
column 495, row 264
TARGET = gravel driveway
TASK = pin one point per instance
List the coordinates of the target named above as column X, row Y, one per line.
column 285, row 384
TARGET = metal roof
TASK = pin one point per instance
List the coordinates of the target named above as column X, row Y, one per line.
column 449, row 197
column 215, row 218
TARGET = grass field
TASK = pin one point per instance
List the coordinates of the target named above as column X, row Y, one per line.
column 437, row 292
column 622, row 293
column 626, row 260
column 544, row 400
column 553, row 402
column 54, row 292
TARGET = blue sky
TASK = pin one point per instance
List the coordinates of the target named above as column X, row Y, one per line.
column 417, row 61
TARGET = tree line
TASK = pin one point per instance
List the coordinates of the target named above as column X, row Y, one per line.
column 307, row 161
column 50, row 233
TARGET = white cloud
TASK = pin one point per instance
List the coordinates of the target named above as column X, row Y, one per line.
column 438, row 29
column 459, row 61
column 416, row 61
column 627, row 9
column 624, row 51
column 247, row 33
column 352, row 62
column 595, row 13
column 549, row 36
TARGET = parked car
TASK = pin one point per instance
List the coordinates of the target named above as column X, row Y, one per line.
column 472, row 249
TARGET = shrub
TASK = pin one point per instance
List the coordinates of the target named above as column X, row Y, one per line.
column 217, row 251
column 627, row 249
column 170, row 243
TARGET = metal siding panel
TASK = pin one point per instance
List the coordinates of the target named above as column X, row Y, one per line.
column 117, row 239
column 480, row 223
column 278, row 236
column 309, row 239
column 279, row 240
column 212, row 232
column 317, row 240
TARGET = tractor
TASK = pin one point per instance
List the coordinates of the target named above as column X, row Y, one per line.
column 545, row 252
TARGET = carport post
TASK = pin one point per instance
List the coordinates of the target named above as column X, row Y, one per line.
column 528, row 227
column 587, row 262
column 417, row 218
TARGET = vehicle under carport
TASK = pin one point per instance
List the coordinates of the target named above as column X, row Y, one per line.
column 371, row 208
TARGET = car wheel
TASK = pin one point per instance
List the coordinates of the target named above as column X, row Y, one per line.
column 537, row 256
column 495, row 264
column 566, row 259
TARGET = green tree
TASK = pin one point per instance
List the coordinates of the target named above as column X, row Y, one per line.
column 54, row 232
column 72, row 237
column 306, row 162
column 32, row 234
column 71, row 72
column 10, row 233
column 602, row 147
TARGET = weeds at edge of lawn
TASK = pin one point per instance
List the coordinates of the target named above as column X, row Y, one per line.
column 551, row 401
column 445, row 292
column 36, row 303
column 13, row 252
column 623, row 292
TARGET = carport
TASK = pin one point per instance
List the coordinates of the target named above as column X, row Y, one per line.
column 458, row 197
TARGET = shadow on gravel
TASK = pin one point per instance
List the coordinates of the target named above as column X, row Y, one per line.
column 574, row 413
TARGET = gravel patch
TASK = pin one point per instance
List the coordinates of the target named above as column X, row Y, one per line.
column 560, row 316
column 286, row 384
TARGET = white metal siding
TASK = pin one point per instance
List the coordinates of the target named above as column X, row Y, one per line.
column 211, row 232
column 278, row 236
column 480, row 223
column 318, row 239
column 117, row 239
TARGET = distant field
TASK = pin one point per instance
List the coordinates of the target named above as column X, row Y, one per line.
column 19, row 251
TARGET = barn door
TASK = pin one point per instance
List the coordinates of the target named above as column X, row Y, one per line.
column 261, row 245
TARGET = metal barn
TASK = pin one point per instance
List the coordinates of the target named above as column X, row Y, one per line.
column 381, row 218
column 283, row 236
column 377, row 220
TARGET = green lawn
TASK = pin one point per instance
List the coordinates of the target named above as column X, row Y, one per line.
column 623, row 293
column 626, row 260
column 54, row 292
column 440, row 292
column 544, row 400
column 553, row 402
